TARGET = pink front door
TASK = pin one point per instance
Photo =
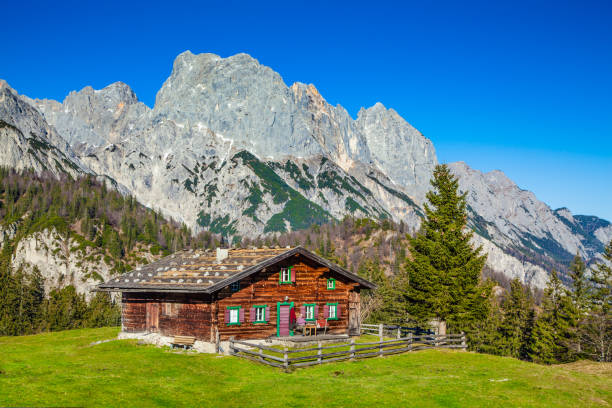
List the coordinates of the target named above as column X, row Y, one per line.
column 283, row 320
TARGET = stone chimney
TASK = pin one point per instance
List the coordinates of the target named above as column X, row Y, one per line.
column 222, row 253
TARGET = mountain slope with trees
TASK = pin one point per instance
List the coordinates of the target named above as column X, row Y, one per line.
column 86, row 233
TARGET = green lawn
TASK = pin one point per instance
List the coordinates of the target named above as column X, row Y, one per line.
column 62, row 369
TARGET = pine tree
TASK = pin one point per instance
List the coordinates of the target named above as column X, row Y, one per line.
column 547, row 342
column 598, row 325
column 484, row 333
column 543, row 342
column 576, row 310
column 102, row 311
column 580, row 285
column 443, row 275
column 9, row 292
column 65, row 309
column 36, row 292
column 517, row 319
column 28, row 307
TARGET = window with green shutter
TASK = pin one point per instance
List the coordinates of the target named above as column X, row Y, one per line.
column 332, row 313
column 309, row 308
column 331, row 284
column 260, row 314
column 285, row 276
column 233, row 315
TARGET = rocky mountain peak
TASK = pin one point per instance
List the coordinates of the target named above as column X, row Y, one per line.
column 399, row 149
column 377, row 108
column 500, row 180
column 193, row 75
column 95, row 117
column 119, row 91
column 112, row 98
column 565, row 213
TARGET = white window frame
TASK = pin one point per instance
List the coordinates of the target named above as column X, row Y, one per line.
column 234, row 315
column 332, row 314
column 310, row 309
column 285, row 275
column 260, row 314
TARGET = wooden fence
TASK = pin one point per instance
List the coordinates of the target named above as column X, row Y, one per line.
column 302, row 357
column 393, row 330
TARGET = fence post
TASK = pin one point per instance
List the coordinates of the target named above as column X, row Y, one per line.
column 380, row 331
column 286, row 358
column 319, row 353
column 410, row 341
column 352, row 348
column 399, row 332
column 463, row 341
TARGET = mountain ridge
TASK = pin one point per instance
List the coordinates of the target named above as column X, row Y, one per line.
column 228, row 146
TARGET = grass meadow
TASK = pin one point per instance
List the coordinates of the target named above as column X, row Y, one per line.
column 65, row 369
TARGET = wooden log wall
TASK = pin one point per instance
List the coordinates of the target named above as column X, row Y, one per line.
column 133, row 313
column 263, row 288
column 179, row 314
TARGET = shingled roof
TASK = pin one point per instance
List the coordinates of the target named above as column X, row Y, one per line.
column 205, row 272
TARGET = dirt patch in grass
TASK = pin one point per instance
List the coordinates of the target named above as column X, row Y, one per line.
column 589, row 367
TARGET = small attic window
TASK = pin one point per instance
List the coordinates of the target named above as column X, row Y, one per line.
column 235, row 287
column 331, row 284
column 286, row 276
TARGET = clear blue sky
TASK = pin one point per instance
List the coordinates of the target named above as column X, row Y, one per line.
column 521, row 87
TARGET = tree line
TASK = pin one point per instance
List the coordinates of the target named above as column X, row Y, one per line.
column 106, row 225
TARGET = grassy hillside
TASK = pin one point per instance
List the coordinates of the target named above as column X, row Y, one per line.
column 63, row 368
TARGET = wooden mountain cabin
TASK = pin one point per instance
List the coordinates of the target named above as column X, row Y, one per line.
column 239, row 293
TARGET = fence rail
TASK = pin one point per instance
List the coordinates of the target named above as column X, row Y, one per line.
column 285, row 358
column 393, row 330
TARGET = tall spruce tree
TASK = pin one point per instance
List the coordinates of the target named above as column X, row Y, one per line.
column 546, row 345
column 484, row 334
column 580, row 285
column 442, row 277
column 517, row 321
column 9, row 292
column 598, row 326
column 578, row 294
